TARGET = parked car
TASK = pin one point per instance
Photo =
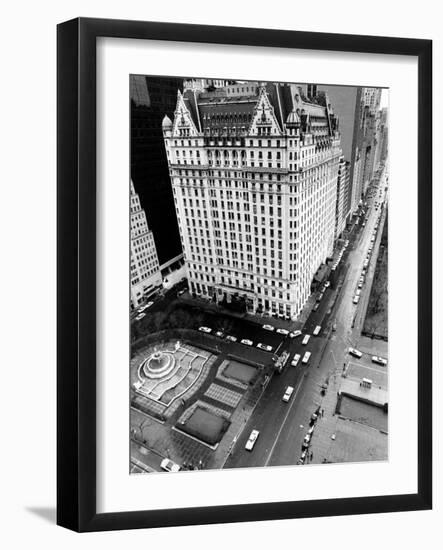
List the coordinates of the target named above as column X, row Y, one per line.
column 149, row 304
column 355, row 352
column 294, row 333
column 264, row 347
column 295, row 360
column 140, row 316
column 246, row 342
column 306, row 339
column 287, row 395
column 306, row 357
column 356, row 299
column 327, row 284
column 268, row 327
column 379, row 360
column 220, row 334
column 252, row 440
column 316, row 306
column 283, row 331
column 231, row 338
column 205, row 329
column 317, row 330
column 169, row 466
column 181, row 292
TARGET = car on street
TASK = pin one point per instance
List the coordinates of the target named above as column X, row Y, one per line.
column 317, row 330
column 355, row 352
column 283, row 331
column 231, row 338
column 360, row 284
column 246, row 342
column 295, row 360
column 169, row 466
column 264, row 347
column 356, row 299
column 327, row 284
column 319, row 297
column 149, row 304
column 294, row 333
column 306, row 357
column 379, row 360
column 140, row 316
column 316, row 306
column 181, row 292
column 358, row 292
column 306, row 339
column 220, row 334
column 287, row 395
column 205, row 329
column 268, row 327
column 306, row 441
column 252, row 439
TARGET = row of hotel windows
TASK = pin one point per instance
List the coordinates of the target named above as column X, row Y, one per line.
column 263, row 196
column 227, row 177
column 195, row 268
column 251, row 143
column 280, row 309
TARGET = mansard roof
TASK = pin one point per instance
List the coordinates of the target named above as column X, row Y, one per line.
column 217, row 111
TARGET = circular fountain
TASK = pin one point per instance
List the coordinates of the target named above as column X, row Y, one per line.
column 158, row 364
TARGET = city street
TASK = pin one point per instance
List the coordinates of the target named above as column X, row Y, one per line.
column 283, row 425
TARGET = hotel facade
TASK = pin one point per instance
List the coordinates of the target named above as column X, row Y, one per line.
column 254, row 172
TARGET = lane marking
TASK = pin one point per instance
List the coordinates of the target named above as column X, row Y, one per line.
column 284, row 421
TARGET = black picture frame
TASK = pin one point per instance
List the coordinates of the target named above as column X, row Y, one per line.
column 76, row 279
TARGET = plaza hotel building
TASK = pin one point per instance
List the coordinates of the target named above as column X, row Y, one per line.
column 254, row 170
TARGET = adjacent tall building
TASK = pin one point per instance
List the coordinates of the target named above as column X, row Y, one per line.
column 366, row 144
column 343, row 189
column 347, row 102
column 145, row 268
column 254, row 172
column 151, row 98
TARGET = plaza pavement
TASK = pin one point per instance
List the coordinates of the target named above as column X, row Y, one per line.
column 153, row 440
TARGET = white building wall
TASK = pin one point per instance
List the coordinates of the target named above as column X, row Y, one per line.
column 256, row 216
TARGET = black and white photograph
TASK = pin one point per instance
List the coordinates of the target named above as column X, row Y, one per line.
column 258, row 274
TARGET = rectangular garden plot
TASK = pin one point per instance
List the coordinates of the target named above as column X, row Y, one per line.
column 205, row 425
column 240, row 371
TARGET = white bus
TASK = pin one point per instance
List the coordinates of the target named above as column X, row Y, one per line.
column 306, row 357
column 317, row 330
column 306, row 339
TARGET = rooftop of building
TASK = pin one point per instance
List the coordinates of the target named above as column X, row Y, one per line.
column 224, row 108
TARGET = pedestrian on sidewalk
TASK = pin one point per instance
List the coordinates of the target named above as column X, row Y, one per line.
column 323, row 413
column 312, row 456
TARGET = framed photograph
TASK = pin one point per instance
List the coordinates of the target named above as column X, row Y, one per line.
column 244, row 274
